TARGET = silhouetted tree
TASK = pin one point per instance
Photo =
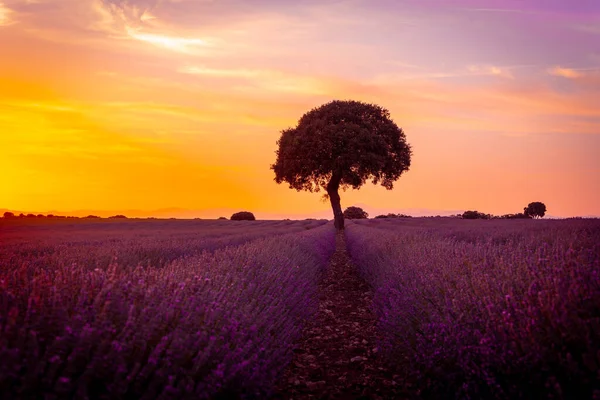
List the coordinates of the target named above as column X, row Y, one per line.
column 243, row 216
column 92, row 217
column 355, row 213
column 22, row 215
column 118, row 217
column 475, row 215
column 222, row 217
column 537, row 209
column 30, row 216
column 342, row 144
column 41, row 216
column 9, row 215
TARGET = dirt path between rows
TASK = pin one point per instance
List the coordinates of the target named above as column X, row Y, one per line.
column 337, row 356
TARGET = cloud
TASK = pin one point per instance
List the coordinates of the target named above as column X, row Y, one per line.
column 592, row 28
column 175, row 43
column 5, row 13
column 587, row 78
column 491, row 70
column 218, row 72
column 568, row 73
column 271, row 80
column 498, row 10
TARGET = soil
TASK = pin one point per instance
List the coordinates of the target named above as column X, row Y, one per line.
column 337, row 356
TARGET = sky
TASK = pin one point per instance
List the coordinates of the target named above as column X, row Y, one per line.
column 174, row 107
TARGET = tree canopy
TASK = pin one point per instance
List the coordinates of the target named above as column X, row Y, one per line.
column 342, row 144
column 243, row 216
column 537, row 209
column 355, row 213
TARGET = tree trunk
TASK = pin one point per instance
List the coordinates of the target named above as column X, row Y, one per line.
column 334, row 198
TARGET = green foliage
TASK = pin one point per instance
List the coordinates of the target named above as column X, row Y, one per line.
column 349, row 139
column 537, row 209
column 355, row 213
column 243, row 216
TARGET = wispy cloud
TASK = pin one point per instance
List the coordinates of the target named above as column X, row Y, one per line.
column 498, row 10
column 225, row 73
column 266, row 79
column 503, row 72
column 593, row 28
column 5, row 13
column 568, row 73
column 179, row 44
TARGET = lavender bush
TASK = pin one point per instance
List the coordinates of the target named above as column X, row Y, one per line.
column 211, row 325
column 487, row 309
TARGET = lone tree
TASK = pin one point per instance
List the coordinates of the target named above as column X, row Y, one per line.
column 342, row 144
column 537, row 209
column 355, row 213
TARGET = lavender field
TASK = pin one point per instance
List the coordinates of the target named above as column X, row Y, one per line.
column 486, row 309
column 154, row 309
column 160, row 309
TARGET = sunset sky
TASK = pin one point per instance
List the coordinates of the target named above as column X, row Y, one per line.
column 120, row 105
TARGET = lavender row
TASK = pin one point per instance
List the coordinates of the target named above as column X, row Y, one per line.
column 510, row 314
column 130, row 243
column 218, row 324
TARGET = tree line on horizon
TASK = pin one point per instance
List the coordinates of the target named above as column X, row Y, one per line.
column 535, row 209
column 10, row 215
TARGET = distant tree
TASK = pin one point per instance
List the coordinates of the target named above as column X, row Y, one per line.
column 355, row 213
column 243, row 216
column 537, row 209
column 222, row 217
column 41, row 216
column 30, row 216
column 475, row 215
column 9, row 215
column 513, row 216
column 118, row 217
column 22, row 215
column 403, row 216
column 92, row 217
column 381, row 216
column 50, row 216
column 342, row 144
